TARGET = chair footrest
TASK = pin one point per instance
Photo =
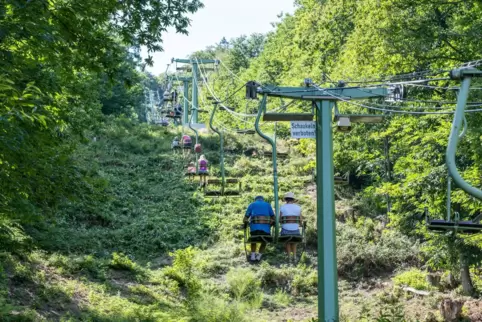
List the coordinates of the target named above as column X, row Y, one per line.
column 260, row 238
column 290, row 238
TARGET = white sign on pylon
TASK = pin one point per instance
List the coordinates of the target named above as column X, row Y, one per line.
column 303, row 129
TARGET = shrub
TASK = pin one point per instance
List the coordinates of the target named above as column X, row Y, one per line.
column 305, row 281
column 212, row 308
column 365, row 252
column 244, row 285
column 122, row 262
column 184, row 271
column 282, row 298
column 414, row 278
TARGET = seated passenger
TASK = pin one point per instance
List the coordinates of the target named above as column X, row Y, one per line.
column 291, row 225
column 175, row 143
column 174, row 96
column 186, row 143
column 178, row 110
column 191, row 170
column 259, row 208
column 203, row 170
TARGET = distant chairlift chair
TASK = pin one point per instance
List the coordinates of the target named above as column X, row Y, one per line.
column 339, row 179
column 466, row 227
column 232, row 187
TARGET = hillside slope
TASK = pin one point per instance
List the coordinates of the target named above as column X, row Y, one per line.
column 106, row 257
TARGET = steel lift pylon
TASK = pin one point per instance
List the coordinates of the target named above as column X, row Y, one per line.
column 323, row 100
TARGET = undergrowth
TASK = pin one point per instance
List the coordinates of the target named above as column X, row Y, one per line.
column 145, row 245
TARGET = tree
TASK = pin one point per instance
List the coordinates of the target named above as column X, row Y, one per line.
column 59, row 61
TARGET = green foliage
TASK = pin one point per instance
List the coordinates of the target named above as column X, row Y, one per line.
column 414, row 278
column 65, row 63
column 366, row 251
column 212, row 308
column 282, row 298
column 122, row 262
column 305, row 282
column 244, row 285
column 127, row 170
column 60, row 61
column 185, row 272
column 360, row 40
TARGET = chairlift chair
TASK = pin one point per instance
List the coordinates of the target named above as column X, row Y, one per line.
column 344, row 121
column 281, row 155
column 245, row 131
column 299, row 238
column 287, row 117
column 209, row 192
column 232, row 187
column 466, row 227
column 339, row 179
column 249, row 239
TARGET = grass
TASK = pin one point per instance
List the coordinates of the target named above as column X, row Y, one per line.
column 145, row 245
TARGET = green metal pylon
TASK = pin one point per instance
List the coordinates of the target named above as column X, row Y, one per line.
column 324, row 99
column 261, row 110
column 221, row 147
column 195, row 101
column 195, row 74
column 185, row 107
column 197, row 138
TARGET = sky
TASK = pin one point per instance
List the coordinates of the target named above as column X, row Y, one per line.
column 218, row 19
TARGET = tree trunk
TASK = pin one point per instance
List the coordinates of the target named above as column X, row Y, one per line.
column 467, row 284
column 451, row 281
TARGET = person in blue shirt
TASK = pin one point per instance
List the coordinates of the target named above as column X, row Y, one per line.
column 259, row 208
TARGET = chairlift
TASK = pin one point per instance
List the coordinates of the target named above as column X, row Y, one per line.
column 246, row 131
column 456, row 225
column 250, row 239
column 339, row 179
column 230, row 187
column 344, row 121
column 287, row 117
column 281, row 155
column 298, row 238
column 466, row 227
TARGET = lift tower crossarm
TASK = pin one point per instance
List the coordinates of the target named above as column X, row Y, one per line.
column 195, row 74
column 184, row 78
column 194, row 61
column 315, row 94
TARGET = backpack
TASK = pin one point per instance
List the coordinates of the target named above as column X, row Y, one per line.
column 197, row 148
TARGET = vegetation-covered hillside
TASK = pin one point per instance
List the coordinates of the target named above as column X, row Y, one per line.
column 99, row 223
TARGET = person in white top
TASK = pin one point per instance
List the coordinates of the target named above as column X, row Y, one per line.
column 290, row 225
